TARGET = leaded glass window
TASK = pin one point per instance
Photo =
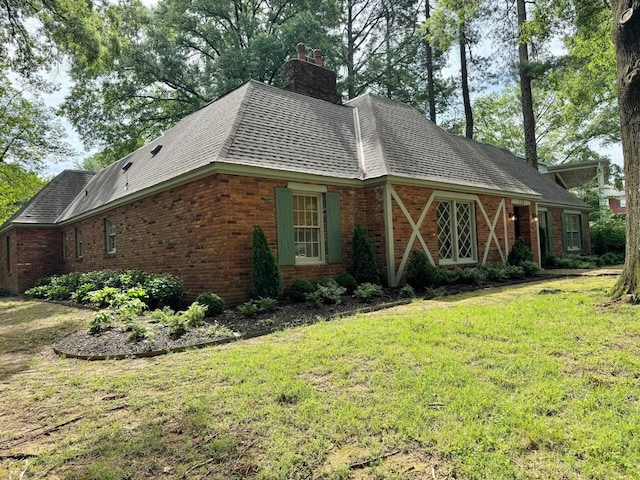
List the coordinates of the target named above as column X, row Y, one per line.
column 456, row 231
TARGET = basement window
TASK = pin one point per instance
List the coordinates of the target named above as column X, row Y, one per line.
column 110, row 235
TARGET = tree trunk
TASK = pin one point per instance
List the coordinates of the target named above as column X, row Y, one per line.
column 351, row 81
column 431, row 89
column 626, row 38
column 466, row 98
column 529, row 121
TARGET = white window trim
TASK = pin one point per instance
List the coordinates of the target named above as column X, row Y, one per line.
column 571, row 248
column 454, row 224
column 311, row 191
column 107, row 223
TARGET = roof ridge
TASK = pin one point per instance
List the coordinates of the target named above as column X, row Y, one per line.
column 231, row 136
column 381, row 142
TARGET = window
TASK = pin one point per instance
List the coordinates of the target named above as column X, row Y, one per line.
column 110, row 233
column 573, row 232
column 456, row 232
column 623, row 202
column 8, row 255
column 308, row 234
column 545, row 223
column 80, row 243
column 308, row 225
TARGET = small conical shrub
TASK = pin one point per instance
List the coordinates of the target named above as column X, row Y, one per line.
column 364, row 266
column 266, row 277
column 520, row 252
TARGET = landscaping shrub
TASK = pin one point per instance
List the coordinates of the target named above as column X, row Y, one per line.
column 100, row 321
column 248, row 309
column 165, row 289
column 298, row 290
column 39, row 291
column 473, row 276
column 368, row 291
column 266, row 304
column 407, row 292
column 103, row 297
column 329, row 293
column 346, row 280
column 267, row 280
column 214, row 304
column 364, row 267
column 81, row 295
column 519, row 253
column 609, row 236
column 194, row 315
column 529, row 268
column 421, row 273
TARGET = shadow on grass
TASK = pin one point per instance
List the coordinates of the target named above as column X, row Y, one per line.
column 28, row 327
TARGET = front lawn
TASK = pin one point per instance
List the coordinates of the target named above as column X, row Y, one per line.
column 530, row 381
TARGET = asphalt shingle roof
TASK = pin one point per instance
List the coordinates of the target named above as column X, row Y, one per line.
column 263, row 126
column 49, row 203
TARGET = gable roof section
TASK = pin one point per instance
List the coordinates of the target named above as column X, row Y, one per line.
column 45, row 207
column 408, row 145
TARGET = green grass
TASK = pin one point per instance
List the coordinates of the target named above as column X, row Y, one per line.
column 505, row 383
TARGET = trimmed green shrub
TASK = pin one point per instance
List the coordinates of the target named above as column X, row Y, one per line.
column 473, row 276
column 519, row 253
column 421, row 273
column 368, row 291
column 298, row 290
column 214, row 304
column 609, row 236
column 267, row 280
column 346, row 280
column 364, row 267
column 39, row 291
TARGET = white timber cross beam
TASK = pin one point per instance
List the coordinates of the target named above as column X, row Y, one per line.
column 395, row 276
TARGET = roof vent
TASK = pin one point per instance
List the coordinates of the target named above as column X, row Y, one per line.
column 155, row 150
column 127, row 166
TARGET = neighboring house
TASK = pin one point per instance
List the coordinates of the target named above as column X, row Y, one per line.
column 307, row 170
column 616, row 200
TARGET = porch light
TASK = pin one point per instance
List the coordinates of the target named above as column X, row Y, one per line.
column 534, row 217
column 512, row 216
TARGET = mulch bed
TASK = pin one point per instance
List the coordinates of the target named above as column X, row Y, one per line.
column 114, row 343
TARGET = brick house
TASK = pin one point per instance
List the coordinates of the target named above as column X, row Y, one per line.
column 307, row 169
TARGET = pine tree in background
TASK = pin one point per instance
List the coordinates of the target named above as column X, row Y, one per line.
column 267, row 281
column 365, row 268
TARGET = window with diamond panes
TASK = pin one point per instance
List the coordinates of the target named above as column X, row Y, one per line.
column 456, row 232
column 307, row 227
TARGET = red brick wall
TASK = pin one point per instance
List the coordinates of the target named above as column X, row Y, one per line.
column 415, row 199
column 202, row 232
column 34, row 253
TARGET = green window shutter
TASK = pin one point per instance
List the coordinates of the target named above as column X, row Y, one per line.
column 583, row 232
column 334, row 228
column 284, row 224
column 565, row 240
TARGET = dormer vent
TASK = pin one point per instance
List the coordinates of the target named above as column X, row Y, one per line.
column 155, row 150
column 126, row 166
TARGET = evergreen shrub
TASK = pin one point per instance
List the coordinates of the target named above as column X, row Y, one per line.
column 364, row 266
column 267, row 280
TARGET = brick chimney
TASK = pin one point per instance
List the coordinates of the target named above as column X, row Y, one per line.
column 307, row 76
